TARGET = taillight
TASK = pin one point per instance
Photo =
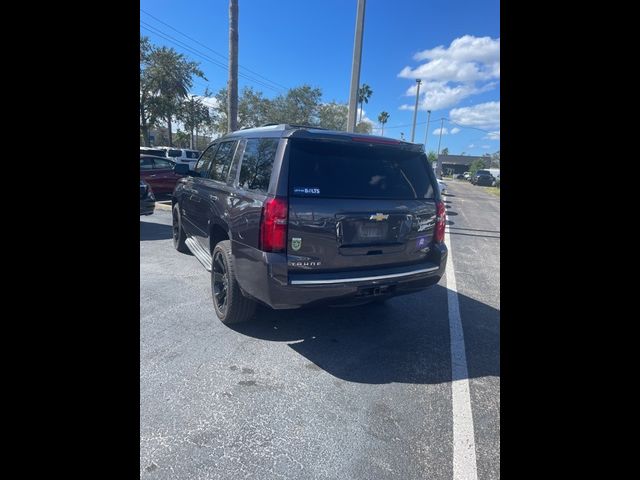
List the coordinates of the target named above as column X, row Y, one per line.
column 273, row 225
column 440, row 219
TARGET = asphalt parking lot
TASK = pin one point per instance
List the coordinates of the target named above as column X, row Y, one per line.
column 335, row 393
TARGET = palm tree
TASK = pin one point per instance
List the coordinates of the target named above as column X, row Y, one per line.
column 383, row 118
column 232, row 86
column 364, row 94
column 169, row 80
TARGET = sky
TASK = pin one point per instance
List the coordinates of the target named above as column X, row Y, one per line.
column 452, row 46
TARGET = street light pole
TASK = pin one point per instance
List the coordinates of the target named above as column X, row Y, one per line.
column 426, row 134
column 415, row 110
column 439, row 167
column 355, row 67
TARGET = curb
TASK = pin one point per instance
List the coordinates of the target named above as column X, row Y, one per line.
column 163, row 206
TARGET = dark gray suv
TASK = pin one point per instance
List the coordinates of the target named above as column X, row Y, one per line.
column 290, row 216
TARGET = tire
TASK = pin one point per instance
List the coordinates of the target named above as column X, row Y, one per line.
column 179, row 237
column 230, row 305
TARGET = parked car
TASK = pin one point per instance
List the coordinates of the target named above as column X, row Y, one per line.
column 159, row 173
column 290, row 216
column 443, row 186
column 155, row 152
column 460, row 176
column 483, row 178
column 183, row 155
column 467, row 175
column 147, row 199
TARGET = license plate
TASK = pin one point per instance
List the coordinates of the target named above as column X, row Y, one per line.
column 372, row 232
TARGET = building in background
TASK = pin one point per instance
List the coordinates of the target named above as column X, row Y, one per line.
column 454, row 164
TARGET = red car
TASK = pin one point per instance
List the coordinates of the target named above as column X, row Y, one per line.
column 158, row 172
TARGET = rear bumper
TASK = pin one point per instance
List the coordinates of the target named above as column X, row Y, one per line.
column 265, row 277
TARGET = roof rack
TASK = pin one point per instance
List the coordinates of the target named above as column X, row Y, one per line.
column 294, row 125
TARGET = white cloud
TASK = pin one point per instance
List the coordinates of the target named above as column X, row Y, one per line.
column 439, row 95
column 472, row 145
column 465, row 49
column 468, row 59
column 444, row 131
column 493, row 135
column 455, row 130
column 485, row 146
column 468, row 66
column 483, row 115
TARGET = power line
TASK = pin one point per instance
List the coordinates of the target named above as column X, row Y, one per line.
column 217, row 63
column 174, row 40
column 224, row 57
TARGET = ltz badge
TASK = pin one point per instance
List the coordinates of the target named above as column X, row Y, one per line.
column 296, row 243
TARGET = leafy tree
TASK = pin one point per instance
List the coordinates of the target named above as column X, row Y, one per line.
column 193, row 113
column 253, row 110
column 298, row 106
column 147, row 114
column 364, row 127
column 495, row 159
column 364, row 94
column 478, row 164
column 445, row 151
column 168, row 80
column 333, row 116
column 182, row 139
column 432, row 156
column 383, row 118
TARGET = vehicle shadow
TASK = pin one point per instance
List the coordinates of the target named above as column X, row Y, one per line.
column 405, row 340
column 154, row 231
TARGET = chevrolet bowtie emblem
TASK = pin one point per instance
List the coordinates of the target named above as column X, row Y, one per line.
column 378, row 217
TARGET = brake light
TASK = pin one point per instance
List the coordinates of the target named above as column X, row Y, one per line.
column 384, row 141
column 273, row 225
column 440, row 220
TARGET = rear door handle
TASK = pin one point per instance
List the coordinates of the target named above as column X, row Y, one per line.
column 213, row 197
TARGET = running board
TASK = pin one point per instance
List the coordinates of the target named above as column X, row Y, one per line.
column 200, row 253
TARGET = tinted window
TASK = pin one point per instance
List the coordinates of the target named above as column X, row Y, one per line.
column 162, row 164
column 202, row 167
column 175, row 153
column 257, row 163
column 222, row 161
column 157, row 153
column 146, row 163
column 192, row 154
column 344, row 170
column 483, row 172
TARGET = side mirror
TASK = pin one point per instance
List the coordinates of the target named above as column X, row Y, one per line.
column 182, row 169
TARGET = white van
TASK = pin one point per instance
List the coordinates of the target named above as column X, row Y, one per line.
column 495, row 172
column 182, row 155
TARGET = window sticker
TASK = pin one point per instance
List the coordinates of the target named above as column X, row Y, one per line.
column 306, row 190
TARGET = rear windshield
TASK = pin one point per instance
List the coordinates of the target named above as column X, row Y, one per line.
column 175, row 153
column 483, row 172
column 342, row 170
column 193, row 154
column 155, row 153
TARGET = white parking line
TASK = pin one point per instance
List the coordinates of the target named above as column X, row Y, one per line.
column 464, row 445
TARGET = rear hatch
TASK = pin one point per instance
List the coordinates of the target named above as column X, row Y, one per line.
column 358, row 206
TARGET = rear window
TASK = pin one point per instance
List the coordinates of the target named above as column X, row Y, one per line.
column 191, row 154
column 175, row 153
column 483, row 172
column 342, row 170
column 156, row 153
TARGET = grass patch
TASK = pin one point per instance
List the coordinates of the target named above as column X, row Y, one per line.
column 493, row 190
